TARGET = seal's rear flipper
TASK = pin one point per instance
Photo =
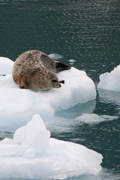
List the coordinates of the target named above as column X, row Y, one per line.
column 61, row 67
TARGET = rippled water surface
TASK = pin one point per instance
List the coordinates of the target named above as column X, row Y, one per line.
column 87, row 31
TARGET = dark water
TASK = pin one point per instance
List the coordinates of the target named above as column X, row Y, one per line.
column 87, row 31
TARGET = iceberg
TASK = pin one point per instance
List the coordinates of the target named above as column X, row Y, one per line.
column 32, row 153
column 110, row 81
column 19, row 105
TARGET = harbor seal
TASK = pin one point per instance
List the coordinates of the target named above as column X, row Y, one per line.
column 36, row 70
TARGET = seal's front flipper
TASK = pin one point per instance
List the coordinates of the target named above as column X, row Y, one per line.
column 61, row 67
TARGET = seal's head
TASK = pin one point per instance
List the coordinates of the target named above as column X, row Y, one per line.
column 44, row 81
column 53, row 80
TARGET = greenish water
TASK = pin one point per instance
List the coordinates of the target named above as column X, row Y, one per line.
column 87, row 31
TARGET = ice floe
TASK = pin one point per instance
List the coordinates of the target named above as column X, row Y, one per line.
column 55, row 56
column 19, row 105
column 110, row 81
column 94, row 118
column 71, row 61
column 32, row 153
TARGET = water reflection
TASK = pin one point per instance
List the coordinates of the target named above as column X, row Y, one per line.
column 103, row 175
column 85, row 177
column 65, row 120
column 109, row 96
column 4, row 134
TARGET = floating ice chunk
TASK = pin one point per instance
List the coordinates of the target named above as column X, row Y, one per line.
column 110, row 81
column 6, row 66
column 21, row 157
column 71, row 60
column 20, row 104
column 55, row 56
column 94, row 118
column 37, row 137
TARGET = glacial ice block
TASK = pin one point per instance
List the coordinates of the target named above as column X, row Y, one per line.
column 20, row 104
column 110, row 81
column 33, row 154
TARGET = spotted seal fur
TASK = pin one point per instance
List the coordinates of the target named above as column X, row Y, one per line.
column 36, row 70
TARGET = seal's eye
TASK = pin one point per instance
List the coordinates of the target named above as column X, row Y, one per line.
column 54, row 80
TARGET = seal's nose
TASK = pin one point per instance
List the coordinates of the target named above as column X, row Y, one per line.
column 63, row 82
column 59, row 85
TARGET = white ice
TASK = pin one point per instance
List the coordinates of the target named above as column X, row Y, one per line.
column 110, row 81
column 94, row 118
column 71, row 60
column 5, row 66
column 55, row 56
column 20, row 104
column 33, row 154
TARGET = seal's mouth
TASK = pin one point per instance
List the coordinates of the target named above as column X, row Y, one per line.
column 63, row 82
